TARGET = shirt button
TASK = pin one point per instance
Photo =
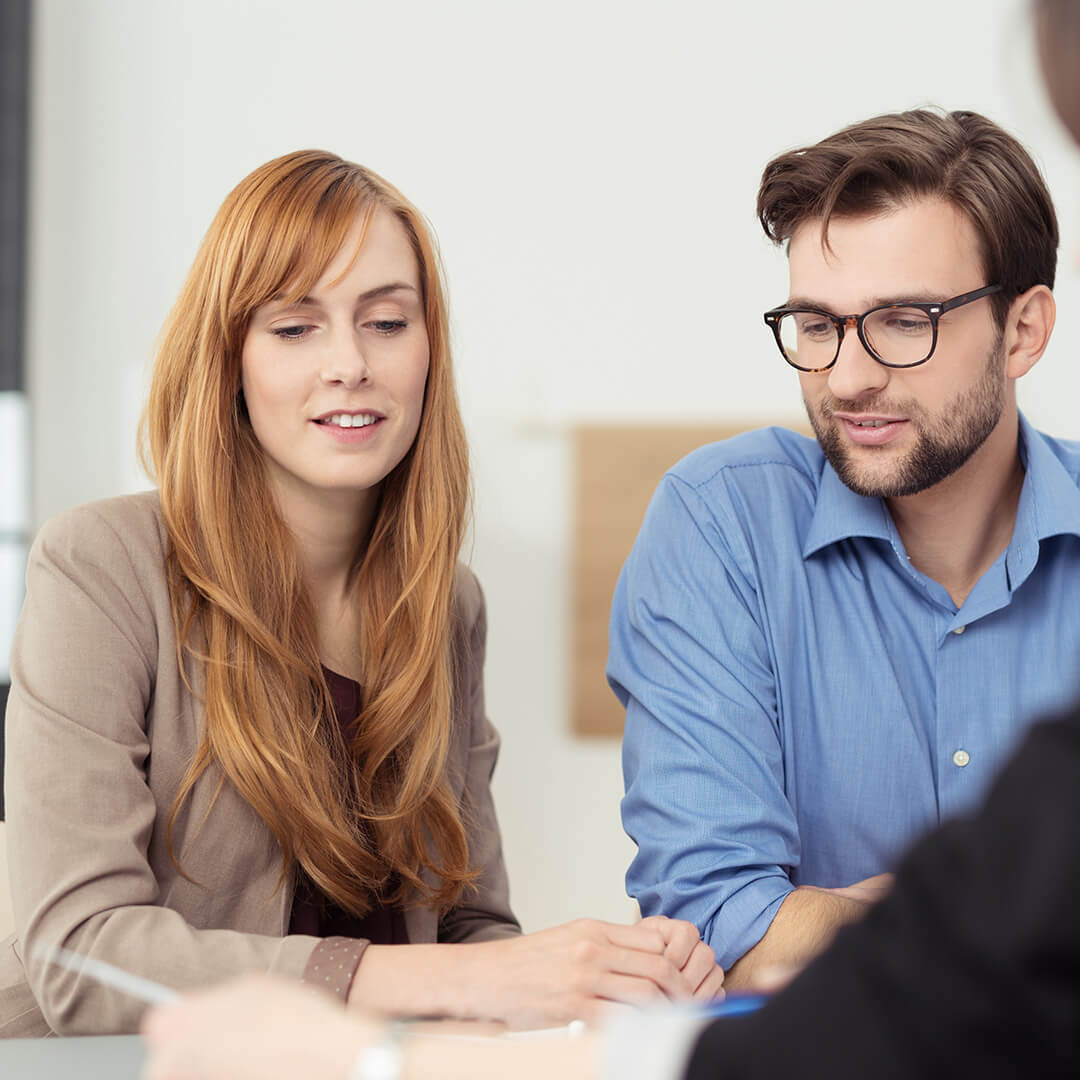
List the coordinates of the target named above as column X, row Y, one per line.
column 959, row 629
column 960, row 758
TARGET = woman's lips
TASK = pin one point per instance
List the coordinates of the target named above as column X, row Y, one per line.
column 351, row 435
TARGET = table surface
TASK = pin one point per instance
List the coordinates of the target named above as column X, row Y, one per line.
column 102, row 1057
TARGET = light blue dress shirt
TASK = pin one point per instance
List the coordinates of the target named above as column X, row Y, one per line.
column 801, row 702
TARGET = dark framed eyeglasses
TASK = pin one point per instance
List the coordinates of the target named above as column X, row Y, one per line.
column 897, row 335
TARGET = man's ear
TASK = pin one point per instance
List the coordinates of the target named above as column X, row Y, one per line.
column 1028, row 329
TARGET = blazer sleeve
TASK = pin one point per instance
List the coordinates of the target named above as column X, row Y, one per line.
column 80, row 811
column 484, row 913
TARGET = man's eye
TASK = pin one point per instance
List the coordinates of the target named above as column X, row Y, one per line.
column 815, row 328
column 909, row 324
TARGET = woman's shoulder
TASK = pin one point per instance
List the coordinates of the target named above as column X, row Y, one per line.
column 126, row 529
column 468, row 596
column 133, row 516
column 96, row 585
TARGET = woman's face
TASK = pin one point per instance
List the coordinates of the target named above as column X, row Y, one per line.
column 334, row 383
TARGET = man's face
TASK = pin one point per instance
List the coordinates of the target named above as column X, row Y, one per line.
column 889, row 431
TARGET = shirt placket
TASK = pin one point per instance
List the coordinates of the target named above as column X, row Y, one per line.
column 970, row 680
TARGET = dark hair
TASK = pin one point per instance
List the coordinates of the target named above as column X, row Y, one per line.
column 1057, row 25
column 961, row 157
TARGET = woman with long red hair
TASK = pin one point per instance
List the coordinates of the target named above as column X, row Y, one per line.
column 246, row 727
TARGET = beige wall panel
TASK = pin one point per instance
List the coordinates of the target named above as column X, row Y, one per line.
column 616, row 471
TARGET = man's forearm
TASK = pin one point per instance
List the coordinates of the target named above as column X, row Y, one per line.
column 802, row 927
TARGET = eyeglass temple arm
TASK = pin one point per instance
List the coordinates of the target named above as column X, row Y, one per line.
column 968, row 297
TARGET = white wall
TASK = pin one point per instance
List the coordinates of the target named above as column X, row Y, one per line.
column 591, row 170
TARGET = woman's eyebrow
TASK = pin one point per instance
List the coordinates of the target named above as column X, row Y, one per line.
column 369, row 294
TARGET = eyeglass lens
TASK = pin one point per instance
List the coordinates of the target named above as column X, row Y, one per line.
column 898, row 335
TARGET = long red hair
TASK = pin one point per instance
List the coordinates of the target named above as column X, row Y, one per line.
column 348, row 816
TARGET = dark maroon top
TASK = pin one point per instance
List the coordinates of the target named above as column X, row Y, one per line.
column 315, row 914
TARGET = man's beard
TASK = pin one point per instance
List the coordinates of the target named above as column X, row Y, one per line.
column 942, row 445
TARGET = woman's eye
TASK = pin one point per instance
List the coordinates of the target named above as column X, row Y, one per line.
column 388, row 326
column 291, row 333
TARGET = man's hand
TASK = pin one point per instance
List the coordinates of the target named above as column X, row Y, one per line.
column 805, row 924
column 868, row 891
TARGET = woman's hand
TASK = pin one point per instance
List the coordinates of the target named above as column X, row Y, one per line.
column 575, row 971
column 263, row 1027
column 696, row 960
column 259, row 1027
column 571, row 972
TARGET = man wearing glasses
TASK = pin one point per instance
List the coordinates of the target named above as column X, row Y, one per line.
column 826, row 647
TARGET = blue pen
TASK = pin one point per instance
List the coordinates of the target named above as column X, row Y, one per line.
column 736, row 1005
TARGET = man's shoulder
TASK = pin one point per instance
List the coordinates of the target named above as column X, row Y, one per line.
column 1067, row 452
column 758, row 487
column 782, row 455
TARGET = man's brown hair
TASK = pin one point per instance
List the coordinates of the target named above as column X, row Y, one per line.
column 961, row 157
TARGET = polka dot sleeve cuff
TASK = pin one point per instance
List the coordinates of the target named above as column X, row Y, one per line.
column 333, row 963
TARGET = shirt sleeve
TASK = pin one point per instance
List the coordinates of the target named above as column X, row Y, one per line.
column 702, row 752
column 971, row 966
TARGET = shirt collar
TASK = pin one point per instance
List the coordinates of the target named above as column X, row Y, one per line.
column 840, row 513
column 1049, row 501
column 1050, row 491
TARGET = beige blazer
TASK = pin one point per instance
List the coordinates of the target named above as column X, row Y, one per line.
column 100, row 730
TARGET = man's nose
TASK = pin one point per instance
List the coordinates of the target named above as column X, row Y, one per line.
column 856, row 374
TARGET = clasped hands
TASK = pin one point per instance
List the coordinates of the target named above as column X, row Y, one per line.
column 266, row 1028
column 578, row 970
